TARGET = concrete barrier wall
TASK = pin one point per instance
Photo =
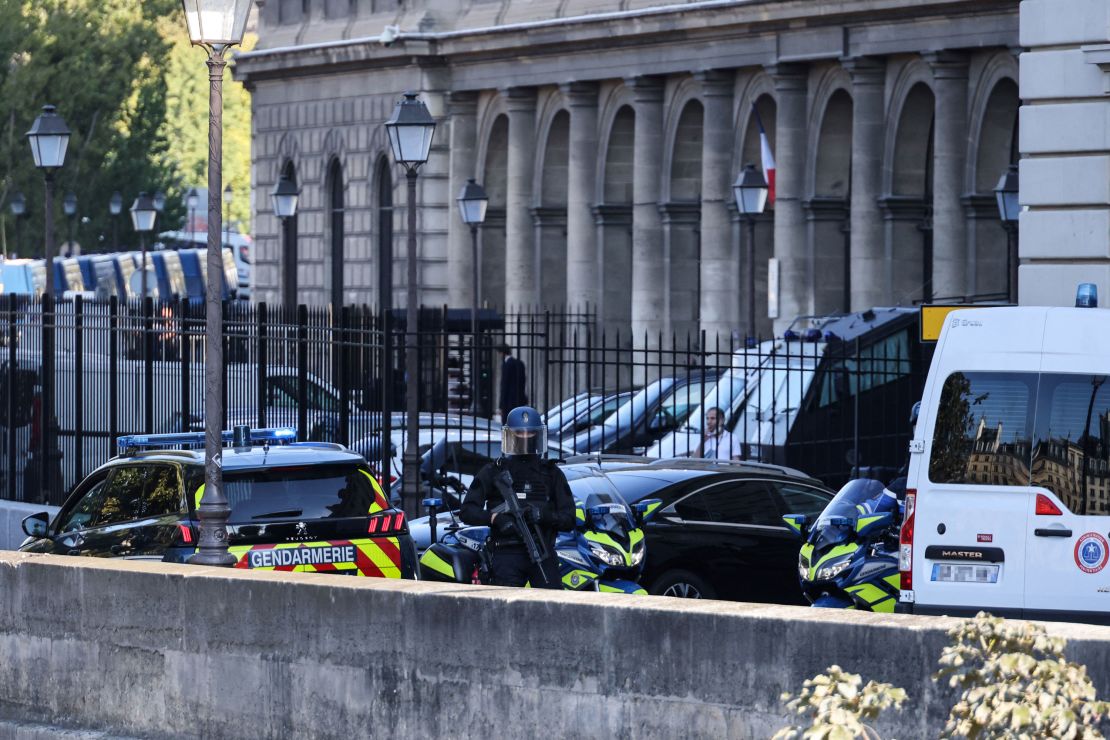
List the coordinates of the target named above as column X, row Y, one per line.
column 11, row 521
column 148, row 649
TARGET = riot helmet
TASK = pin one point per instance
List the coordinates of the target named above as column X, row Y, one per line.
column 524, row 433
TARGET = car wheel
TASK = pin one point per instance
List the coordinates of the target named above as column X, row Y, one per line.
column 682, row 584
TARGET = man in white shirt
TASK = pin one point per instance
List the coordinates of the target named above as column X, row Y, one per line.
column 717, row 443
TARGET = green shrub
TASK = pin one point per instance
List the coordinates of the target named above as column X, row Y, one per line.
column 1016, row 684
column 836, row 706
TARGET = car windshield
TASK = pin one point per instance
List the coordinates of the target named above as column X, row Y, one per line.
column 634, row 407
column 308, row 492
column 779, row 392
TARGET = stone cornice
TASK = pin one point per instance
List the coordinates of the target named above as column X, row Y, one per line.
column 654, row 40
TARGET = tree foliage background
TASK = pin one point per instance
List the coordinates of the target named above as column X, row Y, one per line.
column 133, row 92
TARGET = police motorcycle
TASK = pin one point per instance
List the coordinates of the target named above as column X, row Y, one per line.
column 605, row 552
column 850, row 556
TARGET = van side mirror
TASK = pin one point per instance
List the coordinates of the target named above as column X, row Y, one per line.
column 798, row 523
column 37, row 524
column 646, row 508
column 872, row 524
column 658, row 422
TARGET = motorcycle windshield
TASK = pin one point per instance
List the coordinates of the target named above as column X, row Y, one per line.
column 614, row 518
column 837, row 522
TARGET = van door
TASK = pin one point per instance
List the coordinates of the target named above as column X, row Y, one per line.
column 1069, row 518
column 971, row 515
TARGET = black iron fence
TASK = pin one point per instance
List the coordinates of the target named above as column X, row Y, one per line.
column 825, row 406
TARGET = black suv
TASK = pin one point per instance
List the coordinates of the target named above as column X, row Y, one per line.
column 719, row 532
column 308, row 506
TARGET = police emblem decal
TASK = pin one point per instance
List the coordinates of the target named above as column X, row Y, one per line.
column 1091, row 552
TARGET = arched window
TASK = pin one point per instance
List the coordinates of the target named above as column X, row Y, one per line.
column 335, row 200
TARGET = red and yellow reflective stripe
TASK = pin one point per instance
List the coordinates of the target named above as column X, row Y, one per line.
column 375, row 558
column 380, row 503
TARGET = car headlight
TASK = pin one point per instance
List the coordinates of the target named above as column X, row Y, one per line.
column 803, row 566
column 606, row 555
column 832, row 571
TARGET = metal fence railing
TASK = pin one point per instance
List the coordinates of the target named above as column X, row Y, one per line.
column 826, row 407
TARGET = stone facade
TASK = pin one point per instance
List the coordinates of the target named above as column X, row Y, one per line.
column 1065, row 148
column 608, row 133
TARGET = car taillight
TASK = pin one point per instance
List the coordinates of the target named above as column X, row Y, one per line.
column 1045, row 507
column 905, row 542
column 389, row 523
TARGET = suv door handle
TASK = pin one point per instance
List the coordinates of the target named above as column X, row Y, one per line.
column 1052, row 532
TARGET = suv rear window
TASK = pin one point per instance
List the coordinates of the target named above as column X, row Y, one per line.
column 311, row 492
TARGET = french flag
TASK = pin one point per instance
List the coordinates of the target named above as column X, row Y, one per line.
column 768, row 158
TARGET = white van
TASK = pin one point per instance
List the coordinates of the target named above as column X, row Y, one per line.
column 1008, row 493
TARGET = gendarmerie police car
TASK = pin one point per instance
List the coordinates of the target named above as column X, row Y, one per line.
column 295, row 506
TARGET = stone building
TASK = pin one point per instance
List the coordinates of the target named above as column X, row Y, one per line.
column 608, row 134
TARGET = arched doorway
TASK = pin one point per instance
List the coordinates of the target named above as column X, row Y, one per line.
column 614, row 219
column 828, row 209
column 909, row 207
column 764, row 110
column 384, row 179
column 681, row 222
column 289, row 282
column 495, row 173
column 996, row 150
column 550, row 217
column 335, row 232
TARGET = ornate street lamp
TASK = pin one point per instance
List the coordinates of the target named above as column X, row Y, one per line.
column 69, row 207
column 18, row 206
column 115, row 207
column 410, row 132
column 284, row 198
column 216, row 25
column 143, row 214
column 49, row 140
column 472, row 202
column 750, row 191
column 1009, row 211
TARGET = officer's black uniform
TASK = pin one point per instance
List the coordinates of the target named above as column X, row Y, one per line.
column 540, row 486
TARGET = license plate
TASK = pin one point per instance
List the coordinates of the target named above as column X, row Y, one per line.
column 965, row 573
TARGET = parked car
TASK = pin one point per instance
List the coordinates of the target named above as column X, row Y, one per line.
column 581, row 412
column 719, row 532
column 658, row 409
column 307, row 506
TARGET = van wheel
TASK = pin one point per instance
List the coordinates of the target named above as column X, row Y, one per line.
column 682, row 584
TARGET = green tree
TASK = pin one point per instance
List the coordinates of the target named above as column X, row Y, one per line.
column 954, row 421
column 186, row 124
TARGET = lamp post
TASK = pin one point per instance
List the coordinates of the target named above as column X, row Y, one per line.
column 192, row 200
column 284, row 198
column 227, row 219
column 410, row 132
column 49, row 139
column 143, row 214
column 216, row 25
column 750, row 191
column 18, row 208
column 159, row 201
column 115, row 207
column 472, row 203
column 69, row 207
column 1009, row 211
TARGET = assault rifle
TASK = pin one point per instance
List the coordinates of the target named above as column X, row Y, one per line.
column 536, row 547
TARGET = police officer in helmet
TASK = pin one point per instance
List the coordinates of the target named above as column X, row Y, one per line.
column 544, row 497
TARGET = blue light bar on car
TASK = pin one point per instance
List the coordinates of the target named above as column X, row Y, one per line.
column 275, row 435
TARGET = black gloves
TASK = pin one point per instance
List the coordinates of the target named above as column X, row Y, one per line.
column 504, row 525
column 531, row 513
